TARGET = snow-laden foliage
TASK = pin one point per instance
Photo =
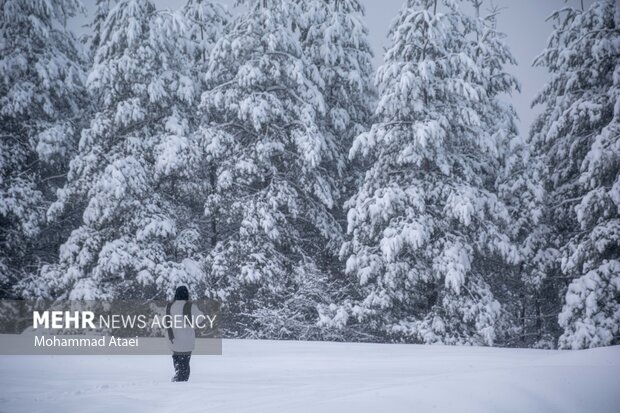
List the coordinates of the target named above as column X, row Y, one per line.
column 426, row 226
column 275, row 189
column 524, row 286
column 335, row 39
column 578, row 134
column 92, row 38
column 528, row 290
column 133, row 171
column 228, row 154
column 206, row 24
column 41, row 95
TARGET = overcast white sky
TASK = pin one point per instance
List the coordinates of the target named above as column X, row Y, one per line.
column 523, row 21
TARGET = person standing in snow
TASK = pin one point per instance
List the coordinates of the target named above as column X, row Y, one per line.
column 181, row 336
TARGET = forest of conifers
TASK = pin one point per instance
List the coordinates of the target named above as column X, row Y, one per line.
column 260, row 159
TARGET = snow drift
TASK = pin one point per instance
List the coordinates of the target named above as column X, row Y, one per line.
column 284, row 376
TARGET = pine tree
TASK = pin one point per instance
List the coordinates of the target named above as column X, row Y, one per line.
column 522, row 288
column 336, row 40
column 92, row 38
column 274, row 189
column 578, row 134
column 132, row 173
column 530, row 295
column 426, row 226
column 206, row 23
column 41, row 94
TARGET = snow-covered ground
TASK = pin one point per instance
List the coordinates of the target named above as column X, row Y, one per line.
column 271, row 376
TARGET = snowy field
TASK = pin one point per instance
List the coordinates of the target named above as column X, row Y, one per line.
column 271, row 376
